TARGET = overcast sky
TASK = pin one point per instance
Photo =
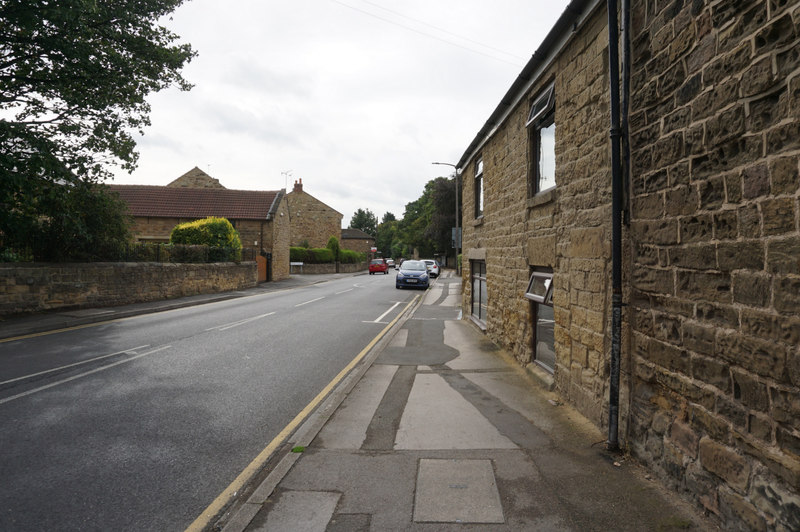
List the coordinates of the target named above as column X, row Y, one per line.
column 356, row 97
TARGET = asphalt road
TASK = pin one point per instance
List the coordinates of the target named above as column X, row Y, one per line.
column 139, row 424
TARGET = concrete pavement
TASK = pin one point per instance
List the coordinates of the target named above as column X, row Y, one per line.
column 444, row 432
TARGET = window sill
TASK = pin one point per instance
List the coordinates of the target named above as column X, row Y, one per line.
column 542, row 198
column 481, row 324
column 477, row 221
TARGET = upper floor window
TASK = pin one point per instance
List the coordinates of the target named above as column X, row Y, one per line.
column 479, row 187
column 542, row 134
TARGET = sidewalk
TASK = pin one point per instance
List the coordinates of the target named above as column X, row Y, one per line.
column 443, row 432
column 61, row 319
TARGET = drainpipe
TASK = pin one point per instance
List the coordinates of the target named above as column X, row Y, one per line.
column 616, row 229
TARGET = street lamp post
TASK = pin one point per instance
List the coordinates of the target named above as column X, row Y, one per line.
column 456, row 173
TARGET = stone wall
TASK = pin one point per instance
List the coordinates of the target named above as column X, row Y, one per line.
column 26, row 288
column 715, row 129
column 566, row 228
column 311, row 220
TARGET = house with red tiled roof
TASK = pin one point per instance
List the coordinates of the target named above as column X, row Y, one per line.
column 260, row 217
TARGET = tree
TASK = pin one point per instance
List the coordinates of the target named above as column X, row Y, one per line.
column 74, row 76
column 427, row 221
column 443, row 216
column 87, row 224
column 385, row 237
column 366, row 221
column 333, row 245
column 388, row 217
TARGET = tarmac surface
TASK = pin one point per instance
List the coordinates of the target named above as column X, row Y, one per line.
column 437, row 429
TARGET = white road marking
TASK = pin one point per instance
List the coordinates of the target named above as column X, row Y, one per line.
column 343, row 291
column 101, row 357
column 233, row 324
column 68, row 379
column 379, row 318
column 307, row 302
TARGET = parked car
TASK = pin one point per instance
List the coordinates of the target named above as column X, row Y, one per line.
column 433, row 267
column 378, row 266
column 412, row 274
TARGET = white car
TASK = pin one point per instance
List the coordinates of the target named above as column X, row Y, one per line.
column 433, row 267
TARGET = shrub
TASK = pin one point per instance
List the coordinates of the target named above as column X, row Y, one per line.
column 311, row 255
column 349, row 256
column 321, row 255
column 216, row 233
column 333, row 245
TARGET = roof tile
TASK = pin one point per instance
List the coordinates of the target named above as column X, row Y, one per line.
column 167, row 202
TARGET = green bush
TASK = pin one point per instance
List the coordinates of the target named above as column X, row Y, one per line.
column 333, row 245
column 217, row 234
column 348, row 256
column 311, row 255
column 298, row 254
column 321, row 255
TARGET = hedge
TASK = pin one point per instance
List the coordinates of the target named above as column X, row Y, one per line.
column 323, row 255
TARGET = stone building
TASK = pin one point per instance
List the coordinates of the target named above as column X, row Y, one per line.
column 357, row 240
column 258, row 216
column 311, row 221
column 710, row 337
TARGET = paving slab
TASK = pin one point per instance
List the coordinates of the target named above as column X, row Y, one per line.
column 457, row 491
column 468, row 343
column 347, row 429
column 438, row 417
column 300, row 511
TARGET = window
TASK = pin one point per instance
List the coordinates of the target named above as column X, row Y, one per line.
column 479, row 187
column 479, row 300
column 542, row 136
column 540, row 293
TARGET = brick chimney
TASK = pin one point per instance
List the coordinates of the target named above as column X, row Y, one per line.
column 298, row 185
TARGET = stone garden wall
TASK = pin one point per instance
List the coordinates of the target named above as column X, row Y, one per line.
column 26, row 288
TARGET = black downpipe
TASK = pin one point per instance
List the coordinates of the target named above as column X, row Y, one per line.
column 616, row 229
column 626, row 92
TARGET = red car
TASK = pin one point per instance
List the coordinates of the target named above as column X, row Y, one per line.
column 378, row 266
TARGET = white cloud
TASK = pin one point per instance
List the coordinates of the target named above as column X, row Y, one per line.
column 356, row 97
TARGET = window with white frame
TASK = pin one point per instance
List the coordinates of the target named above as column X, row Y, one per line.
column 479, row 187
column 542, row 137
column 540, row 293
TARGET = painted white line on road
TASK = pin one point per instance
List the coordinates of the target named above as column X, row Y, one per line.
column 343, row 291
column 101, row 357
column 379, row 318
column 96, row 370
column 233, row 324
column 307, row 302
